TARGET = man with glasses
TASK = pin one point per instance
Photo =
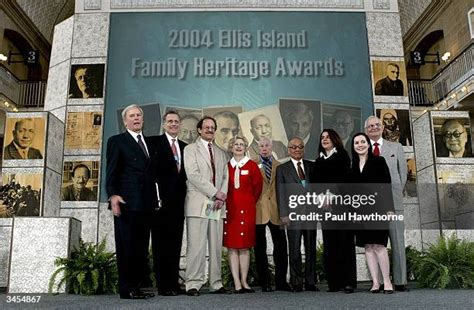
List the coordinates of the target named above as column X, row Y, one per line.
column 396, row 161
column 455, row 139
column 293, row 176
column 206, row 169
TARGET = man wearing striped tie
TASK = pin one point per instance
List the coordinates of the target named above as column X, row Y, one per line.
column 268, row 215
column 167, row 226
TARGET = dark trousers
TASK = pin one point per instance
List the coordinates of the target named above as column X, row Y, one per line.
column 296, row 265
column 339, row 258
column 132, row 236
column 280, row 255
column 167, row 236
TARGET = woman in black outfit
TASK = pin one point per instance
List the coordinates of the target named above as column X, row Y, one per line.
column 332, row 166
column 366, row 169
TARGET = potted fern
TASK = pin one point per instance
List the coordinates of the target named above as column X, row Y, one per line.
column 91, row 270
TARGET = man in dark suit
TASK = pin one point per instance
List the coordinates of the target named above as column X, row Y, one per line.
column 23, row 136
column 133, row 198
column 168, row 223
column 396, row 162
column 294, row 174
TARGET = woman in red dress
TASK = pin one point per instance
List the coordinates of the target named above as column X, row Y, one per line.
column 245, row 187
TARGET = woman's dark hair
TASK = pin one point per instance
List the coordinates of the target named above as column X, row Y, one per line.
column 355, row 156
column 335, row 139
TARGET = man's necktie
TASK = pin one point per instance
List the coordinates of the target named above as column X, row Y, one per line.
column 267, row 167
column 175, row 153
column 213, row 166
column 376, row 149
column 301, row 172
column 142, row 146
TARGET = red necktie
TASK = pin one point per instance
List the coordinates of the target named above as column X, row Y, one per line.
column 175, row 152
column 213, row 166
column 300, row 172
column 376, row 149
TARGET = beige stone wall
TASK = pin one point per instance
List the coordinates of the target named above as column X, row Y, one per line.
column 410, row 10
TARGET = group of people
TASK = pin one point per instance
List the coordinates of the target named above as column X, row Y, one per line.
column 16, row 199
column 155, row 185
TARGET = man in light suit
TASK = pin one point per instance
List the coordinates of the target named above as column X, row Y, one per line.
column 295, row 173
column 396, row 161
column 133, row 198
column 168, row 223
column 206, row 169
column 268, row 215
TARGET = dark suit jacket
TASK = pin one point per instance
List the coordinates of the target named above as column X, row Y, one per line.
column 287, row 175
column 11, row 152
column 171, row 184
column 130, row 173
column 387, row 87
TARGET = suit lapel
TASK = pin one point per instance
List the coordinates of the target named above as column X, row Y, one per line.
column 204, row 152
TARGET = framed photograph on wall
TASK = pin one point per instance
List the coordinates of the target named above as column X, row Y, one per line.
column 80, row 181
column 86, row 81
column 452, row 137
column 20, row 194
column 24, row 138
column 396, row 125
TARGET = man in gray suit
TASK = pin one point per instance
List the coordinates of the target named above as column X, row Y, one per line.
column 396, row 161
column 295, row 175
column 206, row 169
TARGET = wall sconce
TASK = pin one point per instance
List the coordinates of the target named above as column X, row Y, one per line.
column 3, row 57
column 446, row 56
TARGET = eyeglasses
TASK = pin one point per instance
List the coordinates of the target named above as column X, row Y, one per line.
column 455, row 134
column 378, row 125
column 294, row 147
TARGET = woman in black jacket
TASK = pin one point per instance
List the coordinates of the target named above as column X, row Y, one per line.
column 373, row 176
column 332, row 167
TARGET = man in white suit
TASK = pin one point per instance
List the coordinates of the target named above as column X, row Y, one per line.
column 206, row 169
column 396, row 161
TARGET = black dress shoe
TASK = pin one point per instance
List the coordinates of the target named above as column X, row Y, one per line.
column 267, row 289
column 136, row 294
column 222, row 290
column 297, row 289
column 239, row 291
column 284, row 287
column 169, row 293
column 248, row 290
column 192, row 292
column 311, row 288
column 401, row 288
column 388, row 291
column 348, row 289
column 375, row 290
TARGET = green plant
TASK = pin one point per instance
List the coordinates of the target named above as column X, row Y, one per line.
column 90, row 270
column 449, row 263
column 320, row 271
column 413, row 259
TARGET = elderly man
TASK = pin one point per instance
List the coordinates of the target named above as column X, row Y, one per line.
column 390, row 85
column 85, row 82
column 134, row 199
column 396, row 161
column 227, row 128
column 206, row 169
column 23, row 136
column 455, row 139
column 261, row 126
column 78, row 191
column 295, row 175
column 269, row 216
